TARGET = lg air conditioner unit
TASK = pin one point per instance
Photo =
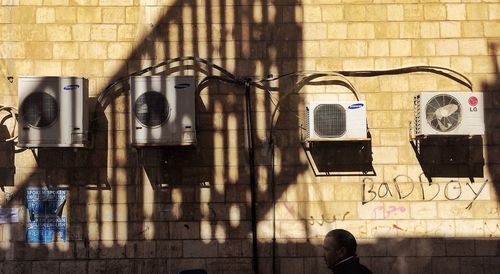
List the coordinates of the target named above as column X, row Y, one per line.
column 53, row 112
column 449, row 113
column 162, row 110
column 334, row 120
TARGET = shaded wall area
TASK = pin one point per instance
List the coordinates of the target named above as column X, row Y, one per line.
column 162, row 210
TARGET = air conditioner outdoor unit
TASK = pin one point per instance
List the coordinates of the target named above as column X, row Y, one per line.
column 449, row 113
column 336, row 120
column 162, row 110
column 53, row 112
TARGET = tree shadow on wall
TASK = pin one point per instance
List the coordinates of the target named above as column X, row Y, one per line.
column 130, row 218
column 492, row 120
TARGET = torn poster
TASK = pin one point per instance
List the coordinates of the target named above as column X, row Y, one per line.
column 46, row 223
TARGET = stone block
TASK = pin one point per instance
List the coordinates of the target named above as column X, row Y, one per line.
column 96, row 266
column 126, row 32
column 43, row 68
column 65, row 15
column 355, row 13
column 487, row 247
column 347, row 192
column 337, row 30
column 103, row 32
column 450, row 29
column 315, row 31
column 491, row 28
column 459, row 247
column 470, row 265
column 332, row 13
column 45, row 15
column 58, row 33
column 184, row 230
column 394, row 13
column 80, row 32
column 89, row 15
column 312, row 14
column 116, row 2
column 473, row 47
column 199, row 249
column 387, row 30
column 445, row 265
column 119, row 50
column 65, row 50
column 142, row 249
column 455, row 12
column 113, row 15
column 70, row 267
column 356, row 64
column 429, row 30
column 44, row 267
column 21, row 15
column 447, row 47
column 413, row 12
column 169, row 249
column 119, row 266
column 476, row 11
column 409, row 30
column 353, row 48
column 291, row 265
column 360, row 31
column 434, row 12
column 37, row 50
column 472, row 29
column 56, row 2
column 400, row 47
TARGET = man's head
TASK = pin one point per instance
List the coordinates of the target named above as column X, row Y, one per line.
column 338, row 244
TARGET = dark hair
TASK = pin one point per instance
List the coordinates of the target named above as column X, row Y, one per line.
column 344, row 238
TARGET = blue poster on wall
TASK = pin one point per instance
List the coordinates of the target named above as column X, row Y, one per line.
column 45, row 221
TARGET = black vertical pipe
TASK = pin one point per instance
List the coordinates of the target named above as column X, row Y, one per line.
column 253, row 184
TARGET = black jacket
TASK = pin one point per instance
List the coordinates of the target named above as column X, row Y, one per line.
column 350, row 266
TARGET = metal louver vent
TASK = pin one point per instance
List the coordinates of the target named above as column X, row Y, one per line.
column 39, row 109
column 330, row 120
column 443, row 112
column 151, row 109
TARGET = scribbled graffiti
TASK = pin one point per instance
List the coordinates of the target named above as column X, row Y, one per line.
column 321, row 221
column 390, row 211
column 452, row 190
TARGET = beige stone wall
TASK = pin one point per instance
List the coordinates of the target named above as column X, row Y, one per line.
column 161, row 210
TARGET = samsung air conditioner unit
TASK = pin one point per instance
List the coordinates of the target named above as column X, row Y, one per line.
column 53, row 112
column 336, row 120
column 449, row 113
column 162, row 110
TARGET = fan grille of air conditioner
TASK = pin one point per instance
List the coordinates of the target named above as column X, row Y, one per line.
column 151, row 109
column 443, row 112
column 330, row 120
column 39, row 109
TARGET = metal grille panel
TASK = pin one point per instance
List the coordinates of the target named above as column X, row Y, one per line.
column 330, row 120
column 39, row 109
column 151, row 109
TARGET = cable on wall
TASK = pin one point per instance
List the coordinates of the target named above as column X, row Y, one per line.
column 446, row 72
column 122, row 79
